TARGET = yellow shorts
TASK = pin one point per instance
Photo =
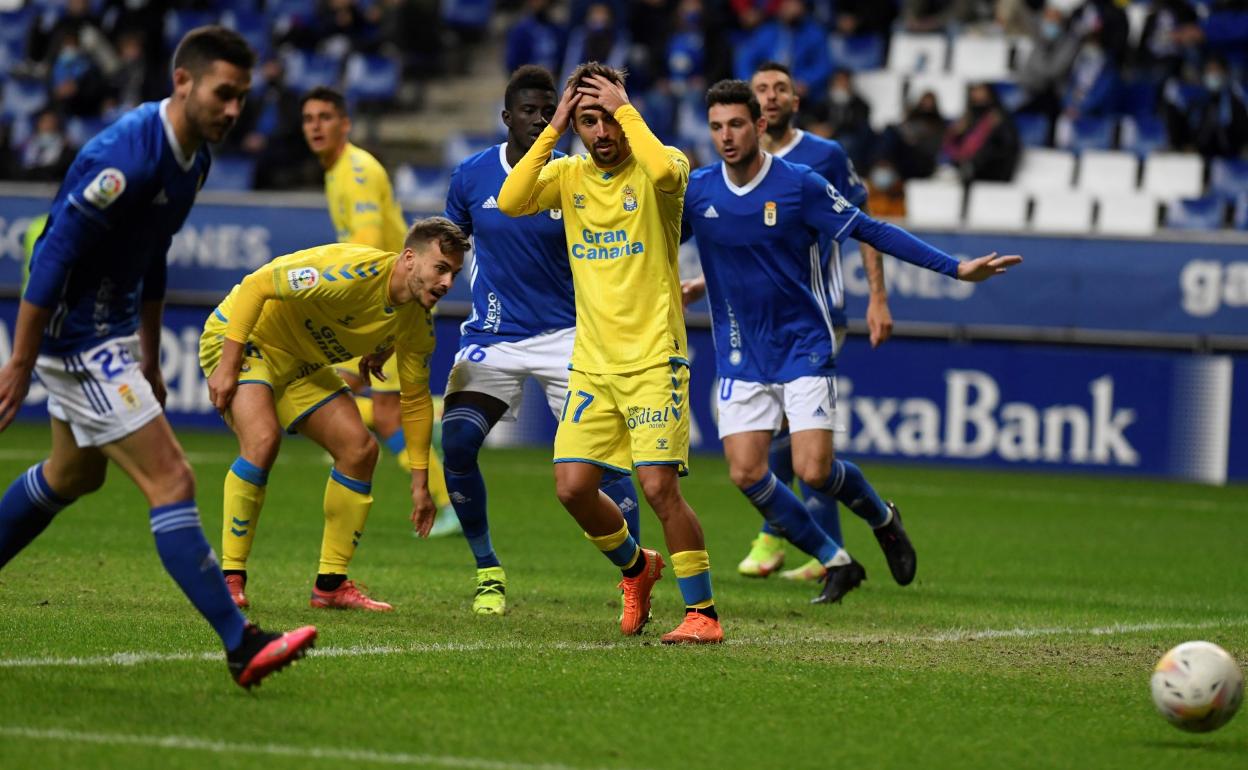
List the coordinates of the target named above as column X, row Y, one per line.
column 390, row 369
column 299, row 387
column 622, row 420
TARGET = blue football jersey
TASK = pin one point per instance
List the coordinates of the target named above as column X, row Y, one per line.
column 520, row 277
column 104, row 248
column 828, row 158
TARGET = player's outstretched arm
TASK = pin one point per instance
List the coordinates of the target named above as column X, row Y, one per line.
column 985, row 267
column 527, row 190
column 16, row 372
column 668, row 170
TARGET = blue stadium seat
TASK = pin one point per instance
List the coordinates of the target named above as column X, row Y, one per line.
column 1143, row 134
column 254, row 28
column 22, row 97
column 857, row 52
column 1033, row 129
column 14, row 26
column 1010, row 94
column 307, row 71
column 1196, row 213
column 1138, row 98
column 178, row 23
column 1228, row 177
column 1092, row 133
column 79, row 131
column 471, row 14
column 371, row 78
column 230, row 173
column 1239, row 214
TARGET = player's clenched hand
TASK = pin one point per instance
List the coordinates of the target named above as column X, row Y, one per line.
column 985, row 267
column 600, row 92
column 14, row 383
column 879, row 321
column 566, row 109
column 371, row 366
column 423, row 509
column 222, row 385
column 692, row 290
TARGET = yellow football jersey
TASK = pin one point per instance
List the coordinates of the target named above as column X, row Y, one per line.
column 623, row 232
column 361, row 202
column 330, row 304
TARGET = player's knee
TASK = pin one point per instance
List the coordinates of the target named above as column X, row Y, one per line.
column 574, row 492
column 73, row 481
column 461, row 444
column 176, row 482
column 662, row 491
column 260, row 447
column 745, row 476
column 813, row 469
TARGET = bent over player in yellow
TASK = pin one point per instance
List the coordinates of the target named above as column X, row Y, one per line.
column 363, row 209
column 628, row 391
column 269, row 351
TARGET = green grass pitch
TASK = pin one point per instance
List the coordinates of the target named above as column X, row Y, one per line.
column 1041, row 604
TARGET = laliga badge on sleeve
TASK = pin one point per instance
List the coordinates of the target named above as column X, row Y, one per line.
column 106, row 188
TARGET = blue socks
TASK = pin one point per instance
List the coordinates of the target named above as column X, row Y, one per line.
column 787, row 515
column 619, row 487
column 189, row 560
column 823, row 511
column 847, row 484
column 780, row 461
column 463, row 432
column 396, row 443
column 26, row 509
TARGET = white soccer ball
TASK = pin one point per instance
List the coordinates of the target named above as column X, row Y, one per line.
column 1197, row 686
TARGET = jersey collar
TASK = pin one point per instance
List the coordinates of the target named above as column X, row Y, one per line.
column 755, row 182
column 178, row 154
column 502, row 157
column 797, row 138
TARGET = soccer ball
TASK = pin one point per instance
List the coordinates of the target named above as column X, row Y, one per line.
column 1197, row 686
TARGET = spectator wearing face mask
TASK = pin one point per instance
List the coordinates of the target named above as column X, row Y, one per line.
column 1161, row 50
column 848, row 117
column 1093, row 84
column 599, row 39
column 1046, row 69
column 46, row 155
column 913, row 145
column 886, row 191
column 983, row 144
column 75, row 82
column 1211, row 119
column 534, row 38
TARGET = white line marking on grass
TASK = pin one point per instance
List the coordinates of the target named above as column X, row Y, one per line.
column 187, row 743
column 948, row 636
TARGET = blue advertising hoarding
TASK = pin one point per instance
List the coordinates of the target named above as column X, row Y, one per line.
column 1004, row 405
column 1151, row 286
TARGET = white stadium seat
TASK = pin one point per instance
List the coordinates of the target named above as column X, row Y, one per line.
column 1131, row 213
column 1171, row 175
column 1062, row 211
column 950, row 92
column 918, row 53
column 1044, row 169
column 1108, row 171
column 996, row 206
column 933, row 204
column 882, row 90
column 978, row 58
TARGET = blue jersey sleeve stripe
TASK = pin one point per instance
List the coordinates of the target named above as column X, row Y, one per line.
column 88, row 211
column 845, row 227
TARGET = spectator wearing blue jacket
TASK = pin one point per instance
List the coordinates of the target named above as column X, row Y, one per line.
column 795, row 39
column 535, row 39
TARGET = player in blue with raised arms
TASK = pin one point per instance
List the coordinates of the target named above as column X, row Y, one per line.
column 758, row 221
column 89, row 326
column 522, row 324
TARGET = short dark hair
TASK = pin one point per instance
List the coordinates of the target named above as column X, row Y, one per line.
column 204, row 45
column 325, row 94
column 590, row 68
column 734, row 92
column 774, row 66
column 448, row 235
column 530, row 77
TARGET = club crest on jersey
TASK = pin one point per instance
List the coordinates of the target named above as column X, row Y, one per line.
column 302, row 278
column 630, row 198
column 578, row 200
column 556, row 214
column 769, row 213
column 106, row 188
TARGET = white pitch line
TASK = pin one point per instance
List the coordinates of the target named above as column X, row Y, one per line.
column 953, row 635
column 188, row 743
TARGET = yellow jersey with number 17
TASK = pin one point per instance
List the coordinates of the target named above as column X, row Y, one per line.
column 623, row 231
column 361, row 202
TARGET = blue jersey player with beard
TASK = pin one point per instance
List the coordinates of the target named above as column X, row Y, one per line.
column 760, row 222
column 522, row 324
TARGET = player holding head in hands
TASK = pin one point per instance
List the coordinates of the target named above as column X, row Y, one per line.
column 758, row 221
column 627, row 400
column 522, row 324
column 89, row 324
column 269, row 351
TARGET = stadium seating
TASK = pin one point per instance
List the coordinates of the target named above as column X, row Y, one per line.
column 1127, row 214
column 933, row 203
column 950, row 92
column 1108, row 171
column 918, row 53
column 1142, row 134
column 882, row 90
column 231, row 173
column 1062, row 211
column 22, row 97
column 857, row 52
column 371, row 78
column 1091, row 133
column 1170, row 175
column 307, row 71
column 1043, row 169
column 1205, row 213
column 978, row 58
column 1239, row 212
column 1033, row 129
column 1228, row 177
column 996, row 206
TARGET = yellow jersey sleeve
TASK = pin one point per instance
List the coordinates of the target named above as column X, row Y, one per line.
column 361, row 202
column 666, row 167
column 534, row 184
column 414, row 349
